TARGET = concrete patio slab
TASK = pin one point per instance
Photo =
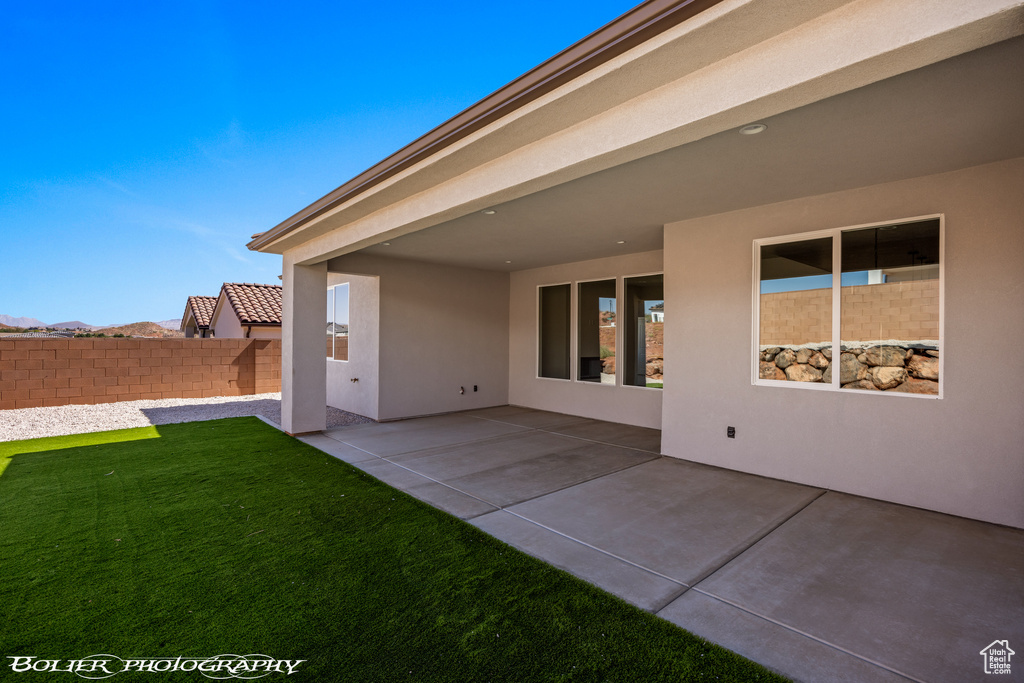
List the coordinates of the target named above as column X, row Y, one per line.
column 339, row 450
column 919, row 592
column 479, row 456
column 629, row 436
column 629, row 582
column 527, row 479
column 440, row 496
column 679, row 519
column 790, row 653
column 527, row 417
column 818, row 586
column 393, row 438
column 517, row 467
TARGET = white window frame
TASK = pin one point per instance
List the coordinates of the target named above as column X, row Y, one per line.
column 836, row 235
column 575, row 352
column 334, row 294
column 620, row 340
column 572, row 332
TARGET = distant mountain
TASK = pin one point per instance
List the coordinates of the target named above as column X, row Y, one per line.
column 72, row 325
column 170, row 324
column 20, row 322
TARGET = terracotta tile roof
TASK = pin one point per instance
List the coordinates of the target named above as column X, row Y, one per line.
column 201, row 308
column 254, row 304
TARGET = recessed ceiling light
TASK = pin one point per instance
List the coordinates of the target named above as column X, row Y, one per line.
column 621, row 242
column 385, row 244
column 488, row 212
column 753, row 129
column 508, row 262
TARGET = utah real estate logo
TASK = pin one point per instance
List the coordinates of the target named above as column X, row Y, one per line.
column 997, row 657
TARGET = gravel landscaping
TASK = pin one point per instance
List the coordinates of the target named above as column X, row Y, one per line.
column 31, row 423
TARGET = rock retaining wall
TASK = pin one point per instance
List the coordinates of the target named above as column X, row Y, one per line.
column 902, row 367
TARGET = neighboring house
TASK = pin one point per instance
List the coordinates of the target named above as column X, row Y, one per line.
column 196, row 320
column 657, row 313
column 246, row 310
column 753, row 161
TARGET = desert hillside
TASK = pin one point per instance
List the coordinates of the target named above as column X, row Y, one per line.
column 145, row 329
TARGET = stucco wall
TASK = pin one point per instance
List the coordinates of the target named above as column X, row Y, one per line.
column 630, row 405
column 440, row 328
column 962, row 454
column 360, row 396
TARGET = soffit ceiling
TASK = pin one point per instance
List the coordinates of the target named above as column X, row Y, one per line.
column 958, row 113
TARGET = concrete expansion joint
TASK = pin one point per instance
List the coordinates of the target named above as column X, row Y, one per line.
column 568, row 436
column 800, row 632
column 767, row 532
column 603, row 552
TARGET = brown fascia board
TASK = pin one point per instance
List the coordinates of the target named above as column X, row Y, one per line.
column 633, row 28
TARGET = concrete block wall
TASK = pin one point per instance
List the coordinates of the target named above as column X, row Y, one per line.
column 54, row 372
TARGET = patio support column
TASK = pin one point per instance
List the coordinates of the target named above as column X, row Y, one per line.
column 303, row 361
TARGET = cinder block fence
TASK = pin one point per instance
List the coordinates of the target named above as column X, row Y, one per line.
column 56, row 372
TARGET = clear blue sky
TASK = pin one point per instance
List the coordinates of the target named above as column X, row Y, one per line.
column 142, row 143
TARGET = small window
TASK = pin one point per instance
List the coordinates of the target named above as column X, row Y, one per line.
column 554, row 328
column 337, row 322
column 595, row 340
column 856, row 309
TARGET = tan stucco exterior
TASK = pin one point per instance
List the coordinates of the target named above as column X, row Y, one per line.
column 876, row 111
column 446, row 331
column 633, row 405
column 962, row 454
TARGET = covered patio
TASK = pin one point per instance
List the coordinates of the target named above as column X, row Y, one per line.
column 816, row 584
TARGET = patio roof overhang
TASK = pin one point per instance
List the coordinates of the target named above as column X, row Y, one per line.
column 598, row 165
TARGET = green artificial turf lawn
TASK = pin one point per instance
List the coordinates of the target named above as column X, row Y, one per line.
column 230, row 537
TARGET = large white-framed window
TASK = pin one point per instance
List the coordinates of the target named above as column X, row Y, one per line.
column 337, row 322
column 854, row 309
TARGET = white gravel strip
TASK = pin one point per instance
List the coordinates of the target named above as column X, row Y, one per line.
column 31, row 423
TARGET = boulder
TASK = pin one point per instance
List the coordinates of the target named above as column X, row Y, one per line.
column 827, row 352
column 826, row 377
column 887, row 377
column 861, row 384
column 851, row 369
column 934, row 353
column 654, row 367
column 885, row 356
column 799, row 372
column 918, row 386
column 769, row 354
column 785, row 358
column 818, row 360
column 804, row 355
column 923, row 367
column 770, row 371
